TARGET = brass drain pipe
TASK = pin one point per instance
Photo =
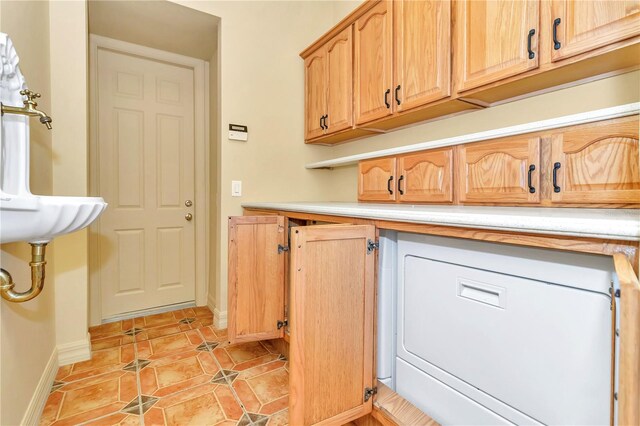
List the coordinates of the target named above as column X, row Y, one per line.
column 37, row 277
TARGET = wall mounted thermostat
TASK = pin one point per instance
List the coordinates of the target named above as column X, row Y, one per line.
column 238, row 132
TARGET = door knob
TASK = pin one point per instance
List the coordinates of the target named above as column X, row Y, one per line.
column 188, row 216
column 188, row 203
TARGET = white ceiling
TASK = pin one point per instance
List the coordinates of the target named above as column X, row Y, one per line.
column 159, row 24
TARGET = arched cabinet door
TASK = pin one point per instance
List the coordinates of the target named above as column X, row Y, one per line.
column 373, row 50
column 426, row 177
column 315, row 76
column 503, row 171
column 597, row 163
column 377, row 179
column 340, row 82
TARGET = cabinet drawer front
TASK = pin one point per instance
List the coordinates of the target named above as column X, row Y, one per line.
column 493, row 40
column 586, row 25
column 426, row 177
column 376, row 180
column 506, row 171
column 373, row 63
column 597, row 163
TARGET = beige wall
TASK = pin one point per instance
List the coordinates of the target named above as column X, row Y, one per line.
column 27, row 332
column 69, row 76
column 261, row 86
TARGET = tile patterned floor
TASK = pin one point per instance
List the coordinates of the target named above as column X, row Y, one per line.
column 172, row 368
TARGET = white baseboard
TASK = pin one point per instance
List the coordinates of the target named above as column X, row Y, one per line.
column 219, row 317
column 41, row 393
column 77, row 351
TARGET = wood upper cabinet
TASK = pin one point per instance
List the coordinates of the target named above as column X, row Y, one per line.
column 584, row 25
column 597, row 163
column 376, row 179
column 329, row 88
column 373, row 67
column 332, row 332
column 422, row 52
column 502, row 171
column 340, row 82
column 256, row 277
column 494, row 40
column 315, row 75
column 426, row 176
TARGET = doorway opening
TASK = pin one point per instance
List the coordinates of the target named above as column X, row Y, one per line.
column 153, row 74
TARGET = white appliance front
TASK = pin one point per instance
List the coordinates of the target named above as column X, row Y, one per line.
column 523, row 332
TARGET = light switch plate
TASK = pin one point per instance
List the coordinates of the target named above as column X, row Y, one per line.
column 236, row 188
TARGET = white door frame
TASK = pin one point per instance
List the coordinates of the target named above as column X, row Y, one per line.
column 201, row 131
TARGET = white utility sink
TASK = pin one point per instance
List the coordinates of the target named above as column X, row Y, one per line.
column 24, row 216
column 39, row 219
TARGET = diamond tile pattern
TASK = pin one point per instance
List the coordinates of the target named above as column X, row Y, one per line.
column 172, row 368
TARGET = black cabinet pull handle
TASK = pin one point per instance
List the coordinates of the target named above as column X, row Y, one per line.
column 532, row 54
column 386, row 98
column 556, row 43
column 326, row 117
column 389, row 185
column 398, row 101
column 400, row 179
column 556, row 166
column 532, row 189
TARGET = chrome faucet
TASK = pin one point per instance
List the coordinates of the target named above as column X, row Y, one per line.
column 29, row 108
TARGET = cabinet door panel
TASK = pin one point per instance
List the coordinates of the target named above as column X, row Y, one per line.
column 332, row 333
column 256, row 277
column 426, row 177
column 422, row 52
column 340, row 82
column 598, row 163
column 492, row 40
column 629, row 311
column 373, row 63
column 498, row 172
column 315, row 75
column 376, row 180
column 587, row 24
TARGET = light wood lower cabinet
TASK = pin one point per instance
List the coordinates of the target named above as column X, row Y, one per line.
column 256, row 277
column 597, row 163
column 332, row 279
column 504, row 171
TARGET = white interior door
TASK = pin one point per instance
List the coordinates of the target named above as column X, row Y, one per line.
column 145, row 138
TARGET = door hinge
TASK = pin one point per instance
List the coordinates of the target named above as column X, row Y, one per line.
column 369, row 392
column 281, row 324
column 282, row 248
column 372, row 245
